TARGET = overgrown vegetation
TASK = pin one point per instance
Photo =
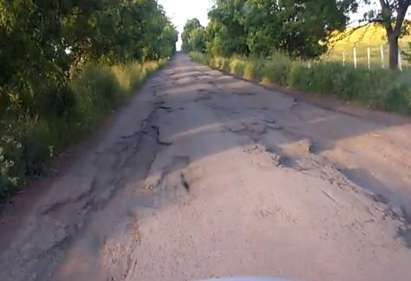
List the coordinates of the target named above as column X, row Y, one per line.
column 377, row 89
column 63, row 66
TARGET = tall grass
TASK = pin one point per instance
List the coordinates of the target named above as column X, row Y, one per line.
column 377, row 89
column 28, row 143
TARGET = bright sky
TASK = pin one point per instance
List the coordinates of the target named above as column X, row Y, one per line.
column 179, row 11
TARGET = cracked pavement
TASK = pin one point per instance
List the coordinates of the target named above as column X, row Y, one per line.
column 204, row 175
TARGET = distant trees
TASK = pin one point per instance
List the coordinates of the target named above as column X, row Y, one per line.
column 299, row 28
column 193, row 36
column 257, row 27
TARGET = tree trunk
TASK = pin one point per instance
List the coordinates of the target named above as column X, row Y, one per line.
column 393, row 41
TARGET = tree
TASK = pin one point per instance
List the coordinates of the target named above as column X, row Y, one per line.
column 392, row 16
column 258, row 27
column 193, row 36
column 227, row 30
column 295, row 27
column 42, row 43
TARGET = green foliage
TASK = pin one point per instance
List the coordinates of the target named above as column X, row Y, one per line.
column 57, row 78
column 237, row 66
column 253, row 69
column 254, row 27
column 227, row 34
column 378, row 89
column 392, row 14
column 194, row 36
column 44, row 44
column 200, row 58
column 276, row 69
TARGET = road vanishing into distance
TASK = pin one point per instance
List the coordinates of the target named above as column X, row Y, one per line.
column 204, row 175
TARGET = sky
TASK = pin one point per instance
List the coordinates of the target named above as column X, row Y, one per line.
column 179, row 11
column 356, row 18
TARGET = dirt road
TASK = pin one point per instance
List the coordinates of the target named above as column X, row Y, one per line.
column 204, row 175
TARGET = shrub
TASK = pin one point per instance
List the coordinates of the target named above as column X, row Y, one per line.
column 276, row 69
column 276, row 72
column 220, row 63
column 200, row 57
column 237, row 66
column 299, row 77
column 398, row 97
column 25, row 150
column 253, row 69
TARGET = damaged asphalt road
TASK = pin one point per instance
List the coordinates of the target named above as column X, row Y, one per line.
column 204, row 175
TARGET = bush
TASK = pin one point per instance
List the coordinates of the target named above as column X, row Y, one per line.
column 237, row 66
column 276, row 69
column 220, row 63
column 398, row 97
column 254, row 69
column 200, row 57
column 299, row 77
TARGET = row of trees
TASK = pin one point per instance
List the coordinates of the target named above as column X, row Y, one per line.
column 298, row 27
column 44, row 43
column 257, row 27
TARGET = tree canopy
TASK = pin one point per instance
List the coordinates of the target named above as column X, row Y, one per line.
column 193, row 36
column 257, row 27
column 392, row 15
column 44, row 42
column 299, row 28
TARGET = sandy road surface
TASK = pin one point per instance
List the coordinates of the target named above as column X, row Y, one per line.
column 204, row 175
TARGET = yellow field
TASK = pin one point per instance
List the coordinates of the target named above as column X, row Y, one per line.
column 371, row 36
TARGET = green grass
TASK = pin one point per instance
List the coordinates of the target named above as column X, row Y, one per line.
column 377, row 89
column 28, row 143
